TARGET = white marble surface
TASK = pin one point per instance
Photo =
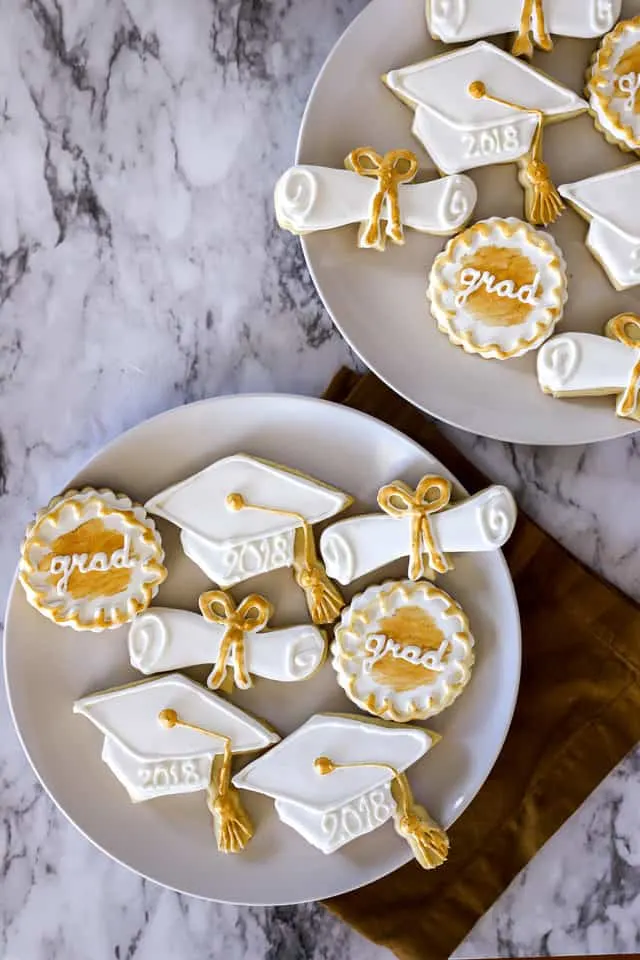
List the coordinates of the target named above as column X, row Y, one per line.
column 140, row 267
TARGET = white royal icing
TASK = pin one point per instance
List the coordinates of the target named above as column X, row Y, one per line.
column 457, row 21
column 461, row 132
column 151, row 761
column 609, row 91
column 354, row 547
column 360, row 642
column 583, row 364
column 164, row 639
column 611, row 202
column 309, row 198
column 227, row 565
column 450, row 285
column 330, row 811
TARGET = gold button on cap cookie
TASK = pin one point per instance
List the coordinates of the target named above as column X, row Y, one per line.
column 91, row 560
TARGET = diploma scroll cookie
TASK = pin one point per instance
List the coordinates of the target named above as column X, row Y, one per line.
column 421, row 524
column 232, row 638
column 339, row 777
column 169, row 736
column 403, row 651
column 536, row 21
column 586, row 365
column 499, row 288
column 479, row 106
column 613, row 86
column 610, row 203
column 91, row 560
column 243, row 516
column 374, row 191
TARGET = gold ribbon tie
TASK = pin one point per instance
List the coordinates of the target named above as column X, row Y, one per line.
column 431, row 495
column 251, row 615
column 522, row 46
column 618, row 329
column 392, row 169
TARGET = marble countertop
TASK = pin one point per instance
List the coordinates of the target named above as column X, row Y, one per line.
column 140, row 268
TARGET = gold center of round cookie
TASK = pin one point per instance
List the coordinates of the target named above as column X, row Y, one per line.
column 499, row 270
column 627, row 73
column 88, row 540
column 409, row 627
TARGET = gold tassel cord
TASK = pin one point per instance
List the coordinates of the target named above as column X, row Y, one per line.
column 429, row 842
column 250, row 616
column 324, row 600
column 431, row 495
column 543, row 202
column 392, row 169
column 232, row 826
column 522, row 45
column 618, row 329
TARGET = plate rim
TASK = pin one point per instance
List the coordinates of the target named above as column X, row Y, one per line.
column 350, row 412
column 624, row 430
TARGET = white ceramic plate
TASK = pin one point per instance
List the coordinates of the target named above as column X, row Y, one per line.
column 378, row 301
column 170, row 840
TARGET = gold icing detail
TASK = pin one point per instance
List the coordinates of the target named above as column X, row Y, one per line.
column 408, row 626
column 543, row 203
column 392, row 169
column 233, row 828
column 251, row 615
column 324, row 600
column 503, row 263
column 625, row 328
column 522, row 45
column 431, row 495
column 428, row 841
column 628, row 66
column 90, row 538
column 616, row 132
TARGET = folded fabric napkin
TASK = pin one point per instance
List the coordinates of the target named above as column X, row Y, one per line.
column 578, row 714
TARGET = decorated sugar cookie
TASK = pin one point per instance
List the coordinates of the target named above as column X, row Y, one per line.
column 233, row 638
column 613, row 86
column 243, row 516
column 479, row 106
column 419, row 523
column 376, row 192
column 91, row 560
column 586, row 365
column 537, row 21
column 338, row 777
column 499, row 288
column 170, row 735
column 610, row 202
column 403, row 651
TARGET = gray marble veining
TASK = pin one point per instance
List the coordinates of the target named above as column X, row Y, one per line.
column 140, row 268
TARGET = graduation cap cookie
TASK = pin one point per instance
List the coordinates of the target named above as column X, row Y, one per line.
column 339, row 777
column 610, row 202
column 376, row 192
column 91, row 560
column 230, row 637
column 421, row 524
column 169, row 736
column 243, row 516
column 403, row 651
column 536, row 21
column 613, row 86
column 586, row 365
column 479, row 106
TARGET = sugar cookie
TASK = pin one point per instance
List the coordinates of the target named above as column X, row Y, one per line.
column 338, row 777
column 91, row 560
column 499, row 288
column 403, row 650
column 613, row 86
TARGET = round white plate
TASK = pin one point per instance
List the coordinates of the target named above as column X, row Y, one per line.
column 170, row 840
column 378, row 300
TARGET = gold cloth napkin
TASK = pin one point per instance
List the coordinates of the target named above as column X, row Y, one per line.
column 578, row 714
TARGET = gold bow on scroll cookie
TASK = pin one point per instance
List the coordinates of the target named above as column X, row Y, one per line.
column 250, row 616
column 431, row 495
column 619, row 329
column 392, row 169
column 522, row 46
